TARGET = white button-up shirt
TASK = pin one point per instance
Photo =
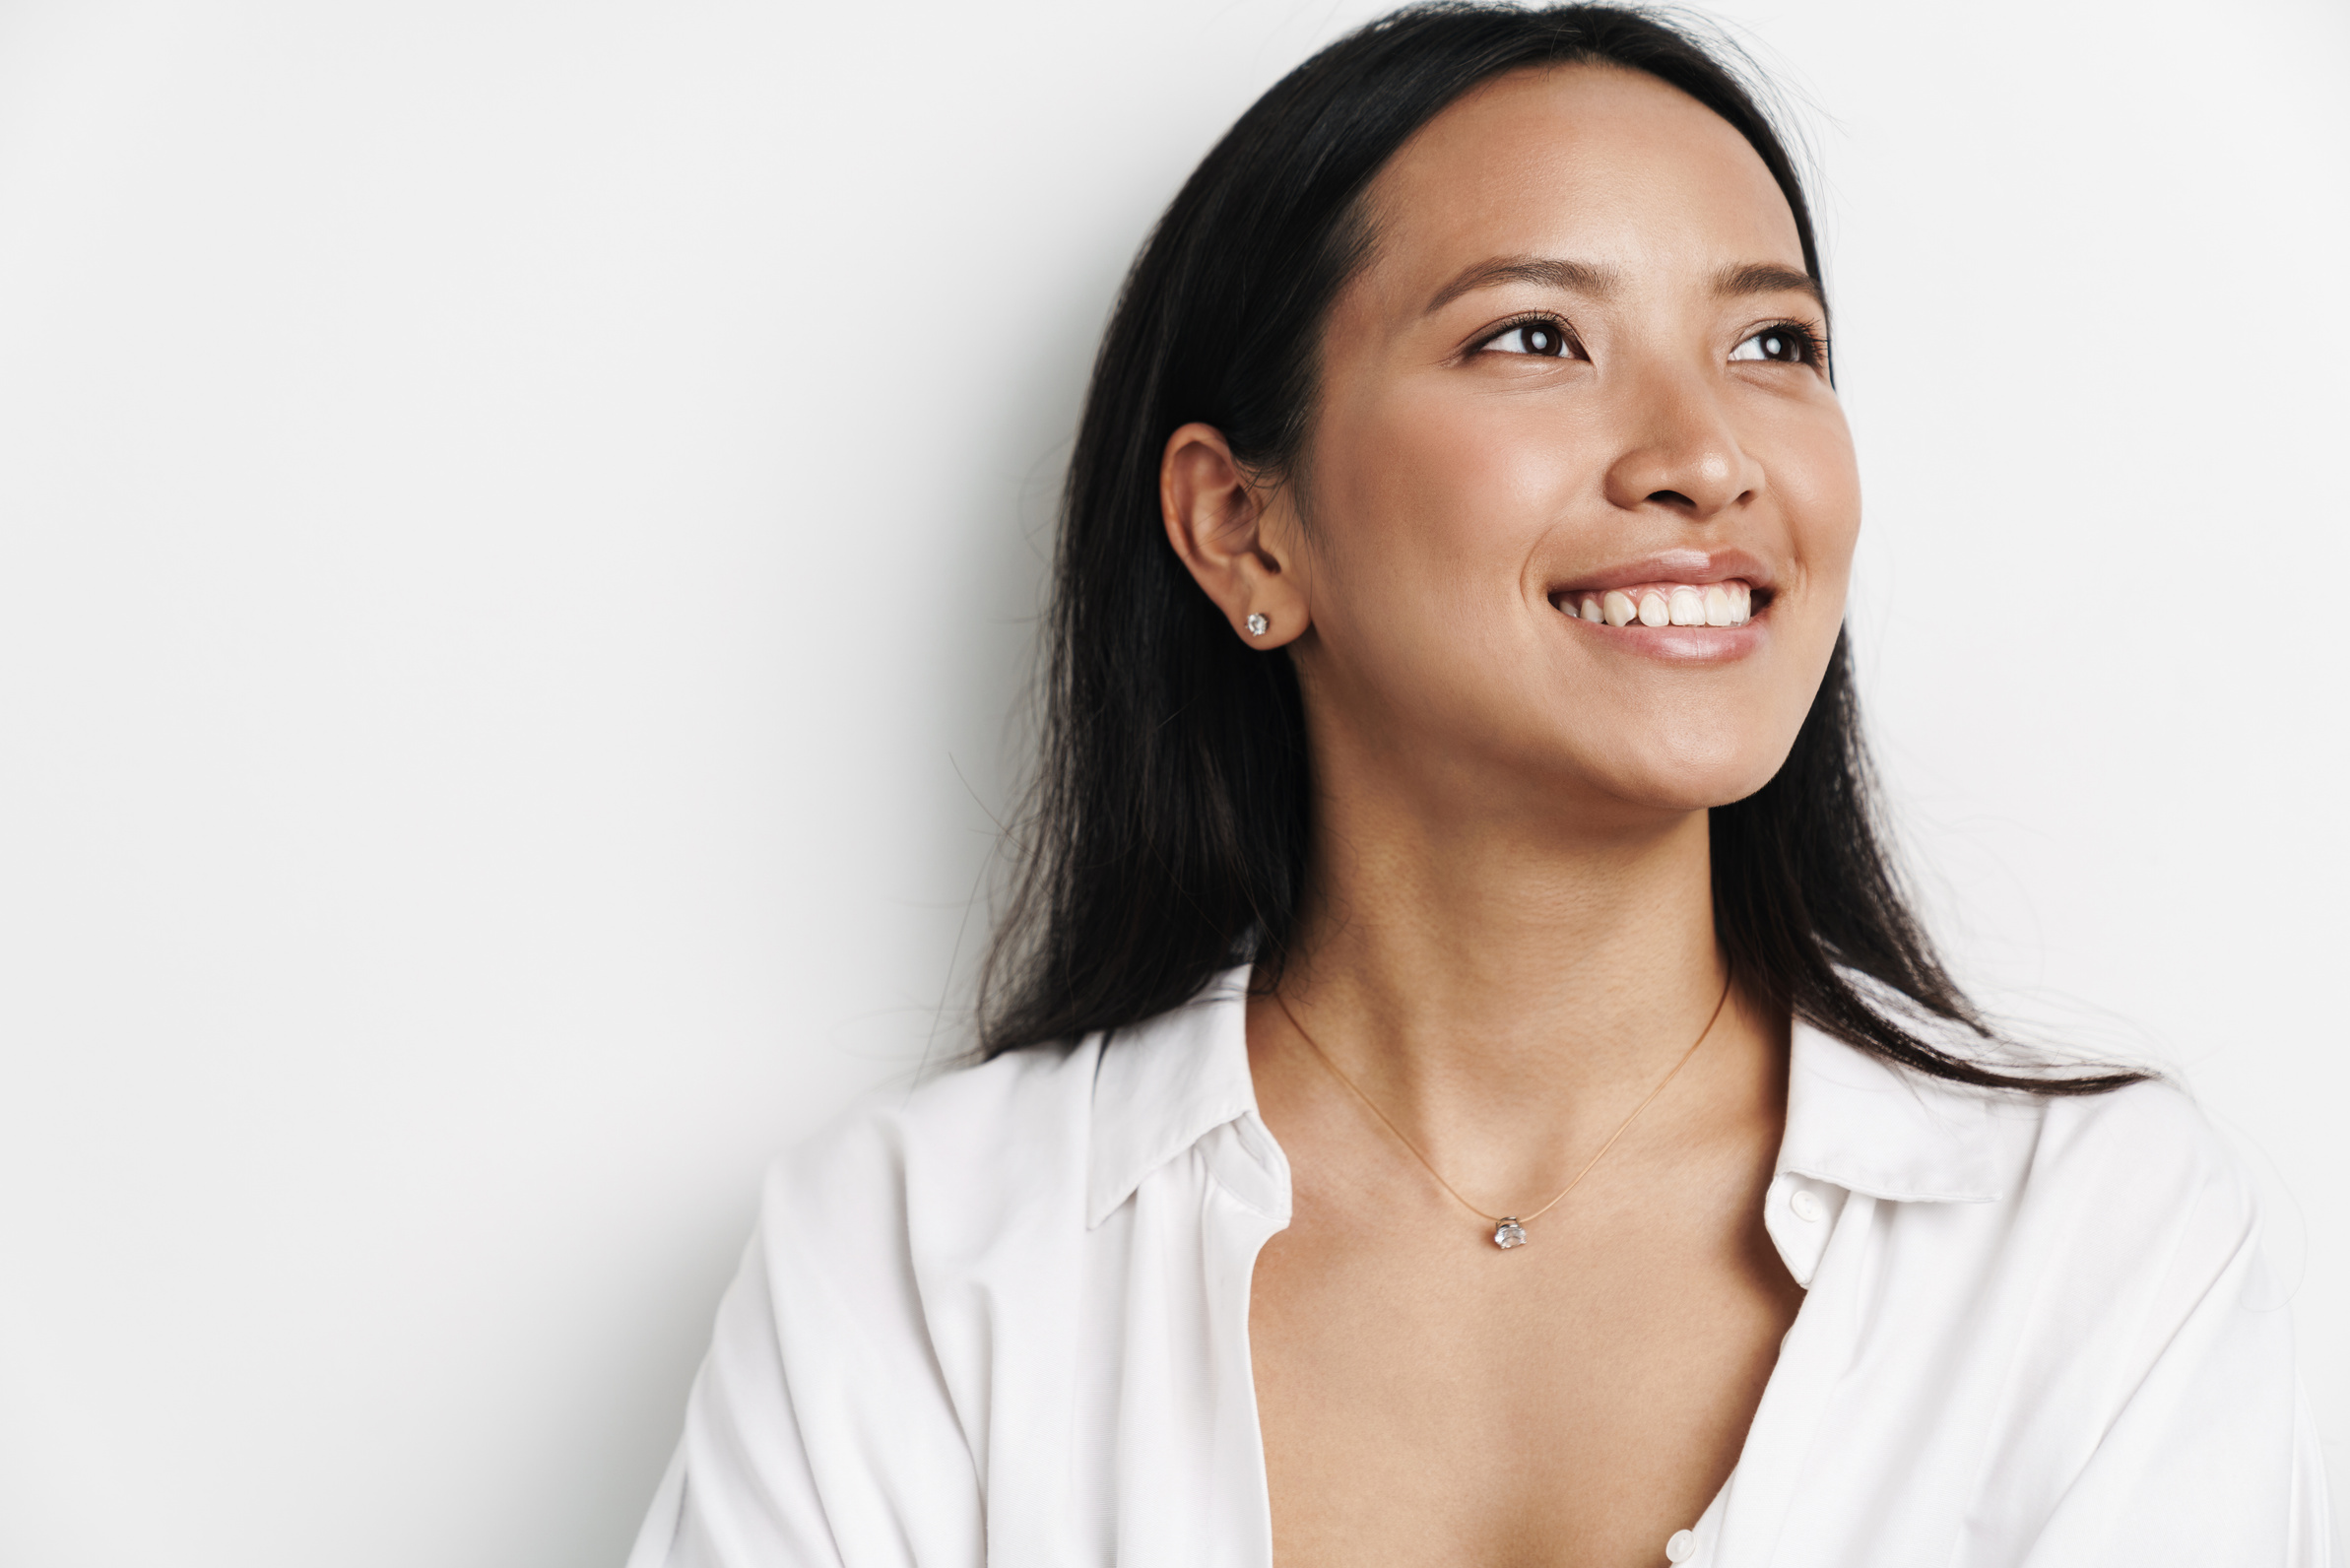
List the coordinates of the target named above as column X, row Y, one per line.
column 1004, row 1318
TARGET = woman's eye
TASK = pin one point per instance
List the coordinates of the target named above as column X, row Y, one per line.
column 1776, row 346
column 1531, row 337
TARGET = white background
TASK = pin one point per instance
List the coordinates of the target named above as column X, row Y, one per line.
column 518, row 529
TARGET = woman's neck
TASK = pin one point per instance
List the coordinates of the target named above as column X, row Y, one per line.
column 1508, row 991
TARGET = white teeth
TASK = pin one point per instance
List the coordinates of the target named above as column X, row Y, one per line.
column 1721, row 603
column 1567, row 606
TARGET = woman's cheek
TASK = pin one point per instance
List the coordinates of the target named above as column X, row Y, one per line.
column 1473, row 469
column 1819, row 484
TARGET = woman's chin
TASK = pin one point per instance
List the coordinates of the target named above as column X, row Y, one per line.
column 1683, row 783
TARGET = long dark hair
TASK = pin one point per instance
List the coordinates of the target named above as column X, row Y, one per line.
column 1168, row 833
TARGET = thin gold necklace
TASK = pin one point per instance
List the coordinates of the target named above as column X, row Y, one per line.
column 1508, row 1229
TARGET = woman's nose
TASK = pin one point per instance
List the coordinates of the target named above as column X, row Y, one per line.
column 1683, row 454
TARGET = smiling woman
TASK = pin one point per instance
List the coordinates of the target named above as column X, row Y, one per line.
column 1460, row 1079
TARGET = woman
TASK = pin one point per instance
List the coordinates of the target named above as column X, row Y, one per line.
column 1461, row 1083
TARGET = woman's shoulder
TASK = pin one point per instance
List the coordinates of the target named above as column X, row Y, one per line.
column 984, row 1136
column 2155, row 1122
column 2145, row 1157
column 2133, row 1196
column 2118, row 1215
column 1034, row 1148
column 2137, row 1160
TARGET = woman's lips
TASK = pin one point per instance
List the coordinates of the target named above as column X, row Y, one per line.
column 1727, row 603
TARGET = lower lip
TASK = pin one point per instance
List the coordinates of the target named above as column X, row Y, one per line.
column 1678, row 644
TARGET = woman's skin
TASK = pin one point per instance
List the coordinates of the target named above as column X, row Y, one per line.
column 1508, row 937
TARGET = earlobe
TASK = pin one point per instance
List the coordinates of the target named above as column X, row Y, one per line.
column 1214, row 514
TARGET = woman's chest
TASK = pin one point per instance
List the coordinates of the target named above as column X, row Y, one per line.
column 1215, row 1374
column 1425, row 1397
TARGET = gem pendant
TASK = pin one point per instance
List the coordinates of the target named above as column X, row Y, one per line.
column 1509, row 1233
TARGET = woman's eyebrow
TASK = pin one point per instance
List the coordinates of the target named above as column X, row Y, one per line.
column 1767, row 277
column 1590, row 278
column 1581, row 277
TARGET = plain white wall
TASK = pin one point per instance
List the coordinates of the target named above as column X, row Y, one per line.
column 518, row 530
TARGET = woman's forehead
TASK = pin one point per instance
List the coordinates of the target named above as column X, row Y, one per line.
column 1595, row 163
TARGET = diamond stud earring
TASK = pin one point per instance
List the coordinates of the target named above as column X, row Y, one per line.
column 1258, row 626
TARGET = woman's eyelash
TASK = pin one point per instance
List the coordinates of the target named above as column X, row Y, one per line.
column 1562, row 338
column 1551, row 338
column 1811, row 345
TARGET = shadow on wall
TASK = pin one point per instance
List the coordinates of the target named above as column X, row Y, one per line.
column 983, row 709
column 978, row 712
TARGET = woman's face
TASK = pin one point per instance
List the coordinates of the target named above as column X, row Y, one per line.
column 1583, row 371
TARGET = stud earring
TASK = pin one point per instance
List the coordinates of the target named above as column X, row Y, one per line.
column 1258, row 624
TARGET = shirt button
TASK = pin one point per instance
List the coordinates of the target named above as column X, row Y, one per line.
column 1806, row 1206
column 1683, row 1546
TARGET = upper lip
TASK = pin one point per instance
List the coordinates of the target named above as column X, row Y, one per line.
column 1696, row 568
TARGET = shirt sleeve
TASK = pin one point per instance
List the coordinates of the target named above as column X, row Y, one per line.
column 2211, row 1459
column 740, row 1491
column 818, row 1433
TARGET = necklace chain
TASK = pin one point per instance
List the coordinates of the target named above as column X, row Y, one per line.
column 1505, row 1222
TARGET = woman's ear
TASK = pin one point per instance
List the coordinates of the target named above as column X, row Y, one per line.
column 1218, row 521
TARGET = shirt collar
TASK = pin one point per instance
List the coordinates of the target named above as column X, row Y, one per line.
column 1162, row 1086
column 1862, row 1124
column 1853, row 1120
